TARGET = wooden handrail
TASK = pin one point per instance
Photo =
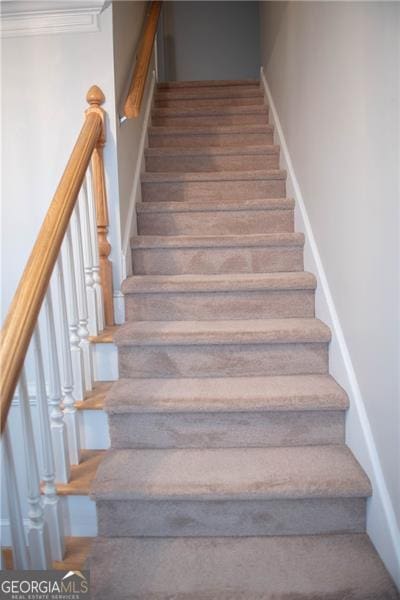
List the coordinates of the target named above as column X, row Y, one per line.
column 135, row 95
column 25, row 307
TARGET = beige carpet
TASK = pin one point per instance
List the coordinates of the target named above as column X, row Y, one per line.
column 228, row 477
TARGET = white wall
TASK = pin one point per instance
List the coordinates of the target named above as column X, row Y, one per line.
column 211, row 40
column 128, row 19
column 333, row 71
column 44, row 82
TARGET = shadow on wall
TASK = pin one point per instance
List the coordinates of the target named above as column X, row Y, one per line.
column 209, row 40
column 169, row 58
column 278, row 16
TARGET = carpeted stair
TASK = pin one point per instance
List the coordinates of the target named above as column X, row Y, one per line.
column 228, row 476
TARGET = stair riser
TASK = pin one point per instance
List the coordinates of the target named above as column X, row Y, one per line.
column 210, row 120
column 208, row 306
column 213, row 190
column 204, row 163
column 202, row 103
column 220, row 360
column 227, row 91
column 178, row 261
column 216, row 222
column 157, row 140
column 230, row 517
column 226, row 430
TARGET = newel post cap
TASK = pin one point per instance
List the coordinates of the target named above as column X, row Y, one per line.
column 95, row 96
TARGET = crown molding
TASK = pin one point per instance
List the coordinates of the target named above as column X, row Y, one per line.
column 20, row 18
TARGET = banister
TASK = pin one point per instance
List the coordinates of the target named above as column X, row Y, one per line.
column 135, row 95
column 25, row 307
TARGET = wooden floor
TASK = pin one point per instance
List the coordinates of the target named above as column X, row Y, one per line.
column 94, row 400
column 105, row 336
column 82, row 475
column 76, row 553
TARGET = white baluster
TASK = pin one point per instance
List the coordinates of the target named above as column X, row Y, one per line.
column 38, row 540
column 83, row 332
column 83, row 206
column 72, row 312
column 51, row 505
column 96, row 259
column 57, row 425
column 70, row 412
column 17, row 530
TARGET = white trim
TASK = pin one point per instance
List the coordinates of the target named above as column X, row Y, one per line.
column 105, row 362
column 135, row 194
column 119, row 307
column 156, row 56
column 381, row 521
column 82, row 17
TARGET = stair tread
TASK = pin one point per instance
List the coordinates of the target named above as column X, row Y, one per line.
column 209, row 93
column 213, row 150
column 206, row 83
column 210, row 111
column 209, row 129
column 214, row 283
column 204, row 101
column 94, row 400
column 76, row 553
column 234, row 473
column 253, row 568
column 246, row 331
column 210, row 205
column 166, row 176
column 217, row 241
column 82, row 474
column 226, row 394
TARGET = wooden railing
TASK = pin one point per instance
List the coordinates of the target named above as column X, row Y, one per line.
column 64, row 296
column 136, row 90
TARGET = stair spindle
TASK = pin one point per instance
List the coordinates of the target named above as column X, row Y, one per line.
column 69, row 279
column 17, row 530
column 83, row 207
column 57, row 424
column 70, row 412
column 38, row 540
column 95, row 256
column 51, row 505
column 83, row 331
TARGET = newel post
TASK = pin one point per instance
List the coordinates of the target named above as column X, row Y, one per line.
column 95, row 98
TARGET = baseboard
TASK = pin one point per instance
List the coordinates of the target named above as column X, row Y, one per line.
column 381, row 521
column 136, row 192
column 119, row 307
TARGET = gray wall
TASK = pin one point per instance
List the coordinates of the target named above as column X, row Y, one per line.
column 128, row 19
column 333, row 70
column 209, row 40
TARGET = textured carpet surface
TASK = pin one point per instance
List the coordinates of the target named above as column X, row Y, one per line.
column 245, row 473
column 334, row 567
column 228, row 476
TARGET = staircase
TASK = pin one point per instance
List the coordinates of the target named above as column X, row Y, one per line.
column 228, row 476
